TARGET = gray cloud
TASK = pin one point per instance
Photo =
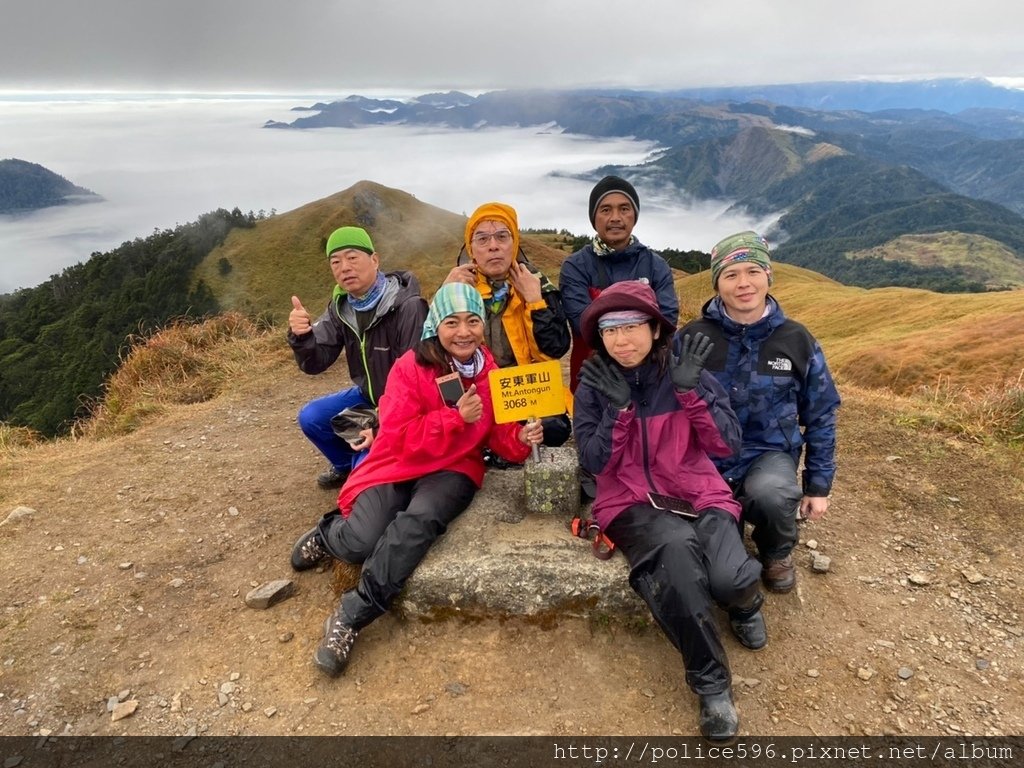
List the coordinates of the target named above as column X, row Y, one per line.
column 331, row 46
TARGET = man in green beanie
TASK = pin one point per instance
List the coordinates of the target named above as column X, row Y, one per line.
column 374, row 317
column 782, row 392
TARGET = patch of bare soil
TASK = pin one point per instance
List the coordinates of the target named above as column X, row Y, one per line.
column 128, row 582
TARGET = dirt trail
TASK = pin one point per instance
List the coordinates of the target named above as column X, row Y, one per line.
column 129, row 579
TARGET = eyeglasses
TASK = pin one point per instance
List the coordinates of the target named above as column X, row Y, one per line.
column 501, row 237
column 626, row 330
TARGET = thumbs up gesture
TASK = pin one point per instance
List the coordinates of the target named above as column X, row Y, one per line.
column 471, row 407
column 298, row 319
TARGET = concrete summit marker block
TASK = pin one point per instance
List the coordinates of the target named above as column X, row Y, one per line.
column 553, row 483
column 495, row 560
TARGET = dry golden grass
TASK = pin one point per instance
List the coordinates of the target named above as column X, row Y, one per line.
column 191, row 362
column 186, row 362
column 995, row 411
column 284, row 255
column 12, row 438
column 901, row 339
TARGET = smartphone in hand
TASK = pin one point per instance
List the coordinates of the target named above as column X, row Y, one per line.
column 450, row 387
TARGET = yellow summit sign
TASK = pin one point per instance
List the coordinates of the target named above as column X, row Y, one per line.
column 527, row 391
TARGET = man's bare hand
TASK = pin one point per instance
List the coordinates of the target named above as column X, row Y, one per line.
column 299, row 321
column 813, row 507
column 525, row 282
column 464, row 273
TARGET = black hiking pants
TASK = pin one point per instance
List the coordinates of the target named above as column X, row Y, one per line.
column 770, row 496
column 679, row 566
column 390, row 530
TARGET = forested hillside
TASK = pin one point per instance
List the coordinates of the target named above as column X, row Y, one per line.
column 26, row 186
column 61, row 339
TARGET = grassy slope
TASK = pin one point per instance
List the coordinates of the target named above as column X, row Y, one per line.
column 979, row 258
column 898, row 337
column 284, row 255
column 888, row 337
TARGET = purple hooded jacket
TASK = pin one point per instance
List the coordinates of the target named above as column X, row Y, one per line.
column 661, row 442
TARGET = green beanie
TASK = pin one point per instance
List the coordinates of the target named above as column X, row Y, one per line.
column 349, row 237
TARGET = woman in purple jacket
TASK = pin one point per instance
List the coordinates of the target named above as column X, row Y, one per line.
column 645, row 423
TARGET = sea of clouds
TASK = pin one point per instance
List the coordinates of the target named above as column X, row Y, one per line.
column 159, row 161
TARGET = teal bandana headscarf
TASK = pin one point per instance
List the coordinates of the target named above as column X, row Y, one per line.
column 450, row 299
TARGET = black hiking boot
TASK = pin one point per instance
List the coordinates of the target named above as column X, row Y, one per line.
column 309, row 551
column 334, row 650
column 718, row 718
column 747, row 621
column 749, row 628
column 332, row 477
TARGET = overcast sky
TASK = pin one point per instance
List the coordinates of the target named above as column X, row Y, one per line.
column 335, row 46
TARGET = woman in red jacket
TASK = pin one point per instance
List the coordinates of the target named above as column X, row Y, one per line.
column 422, row 471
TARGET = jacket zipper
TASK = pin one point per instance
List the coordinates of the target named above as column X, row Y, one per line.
column 362, row 350
column 641, row 409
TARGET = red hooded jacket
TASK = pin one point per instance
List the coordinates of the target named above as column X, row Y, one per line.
column 420, row 434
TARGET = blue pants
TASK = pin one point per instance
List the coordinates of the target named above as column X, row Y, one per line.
column 315, row 421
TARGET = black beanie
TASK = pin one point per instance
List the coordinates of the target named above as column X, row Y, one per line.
column 605, row 187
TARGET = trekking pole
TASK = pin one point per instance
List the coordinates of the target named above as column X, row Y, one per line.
column 534, row 448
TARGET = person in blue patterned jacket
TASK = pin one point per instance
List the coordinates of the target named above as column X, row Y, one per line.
column 645, row 422
column 783, row 395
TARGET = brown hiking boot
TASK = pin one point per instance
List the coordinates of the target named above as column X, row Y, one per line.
column 779, row 575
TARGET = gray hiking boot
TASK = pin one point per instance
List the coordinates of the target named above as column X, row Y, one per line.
column 334, row 650
column 749, row 628
column 309, row 551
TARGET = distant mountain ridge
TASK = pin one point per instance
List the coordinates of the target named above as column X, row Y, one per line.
column 947, row 94
column 61, row 339
column 841, row 182
column 840, row 207
column 26, row 186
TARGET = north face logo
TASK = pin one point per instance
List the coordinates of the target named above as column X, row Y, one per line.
column 781, row 364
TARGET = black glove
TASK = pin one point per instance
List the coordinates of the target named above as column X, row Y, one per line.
column 692, row 355
column 606, row 379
